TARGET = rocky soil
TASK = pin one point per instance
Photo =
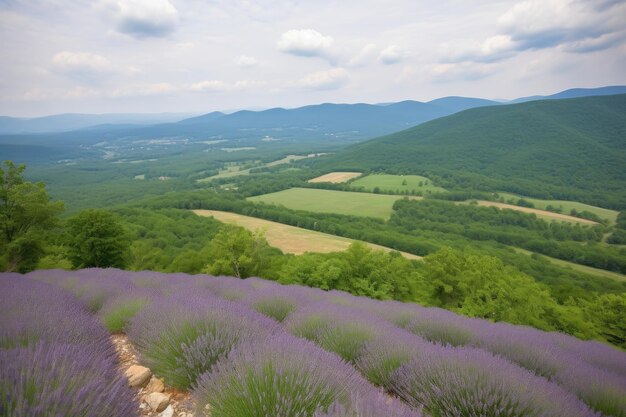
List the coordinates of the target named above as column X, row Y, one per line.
column 156, row 399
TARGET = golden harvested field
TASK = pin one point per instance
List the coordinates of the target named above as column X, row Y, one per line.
column 291, row 239
column 540, row 213
column 336, row 177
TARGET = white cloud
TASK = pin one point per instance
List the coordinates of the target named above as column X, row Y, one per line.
column 305, row 42
column 571, row 25
column 392, row 55
column 325, row 80
column 365, row 55
column 85, row 67
column 81, row 62
column 222, row 86
column 492, row 49
column 458, row 72
column 143, row 90
column 142, row 18
column 209, row 85
column 245, row 61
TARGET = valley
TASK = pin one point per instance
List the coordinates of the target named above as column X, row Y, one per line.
column 284, row 208
column 415, row 217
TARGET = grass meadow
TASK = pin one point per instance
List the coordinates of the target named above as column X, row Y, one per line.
column 328, row 201
column 397, row 183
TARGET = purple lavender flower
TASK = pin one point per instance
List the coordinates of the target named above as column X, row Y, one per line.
column 32, row 311
column 179, row 337
column 376, row 404
column 471, row 382
column 57, row 380
column 381, row 357
column 336, row 328
column 282, row 376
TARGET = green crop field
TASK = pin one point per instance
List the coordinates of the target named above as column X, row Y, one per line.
column 327, row 201
column 397, row 183
column 566, row 206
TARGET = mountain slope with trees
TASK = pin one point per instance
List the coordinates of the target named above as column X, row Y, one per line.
column 567, row 149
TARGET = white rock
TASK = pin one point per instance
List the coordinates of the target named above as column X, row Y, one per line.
column 155, row 385
column 168, row 412
column 157, row 401
column 138, row 376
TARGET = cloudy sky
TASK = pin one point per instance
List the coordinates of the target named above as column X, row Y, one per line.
column 99, row 56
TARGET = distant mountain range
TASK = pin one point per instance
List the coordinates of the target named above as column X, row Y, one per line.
column 577, row 93
column 564, row 149
column 75, row 121
column 351, row 122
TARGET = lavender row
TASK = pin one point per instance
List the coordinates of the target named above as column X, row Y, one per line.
column 205, row 321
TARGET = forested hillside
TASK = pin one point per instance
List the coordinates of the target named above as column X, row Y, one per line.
column 568, row 149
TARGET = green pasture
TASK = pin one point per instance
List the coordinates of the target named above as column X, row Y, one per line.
column 397, row 183
column 328, row 201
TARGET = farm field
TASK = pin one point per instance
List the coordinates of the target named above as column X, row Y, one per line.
column 336, row 177
column 397, row 183
column 544, row 214
column 329, row 201
column 291, row 239
column 567, row 206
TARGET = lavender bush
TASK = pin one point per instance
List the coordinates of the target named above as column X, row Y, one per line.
column 602, row 390
column 179, row 338
column 118, row 311
column 335, row 328
column 232, row 289
column 277, row 301
column 381, row 357
column 282, row 376
column 471, row 382
column 32, row 311
column 376, row 404
column 57, row 380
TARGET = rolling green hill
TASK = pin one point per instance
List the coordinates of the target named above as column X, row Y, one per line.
column 571, row 149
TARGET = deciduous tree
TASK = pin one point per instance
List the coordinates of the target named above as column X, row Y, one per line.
column 97, row 239
column 26, row 213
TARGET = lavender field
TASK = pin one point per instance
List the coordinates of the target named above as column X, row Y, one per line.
column 254, row 348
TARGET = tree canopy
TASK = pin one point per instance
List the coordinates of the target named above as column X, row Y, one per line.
column 26, row 212
column 97, row 239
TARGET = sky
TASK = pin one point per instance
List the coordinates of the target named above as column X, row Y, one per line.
column 152, row 56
